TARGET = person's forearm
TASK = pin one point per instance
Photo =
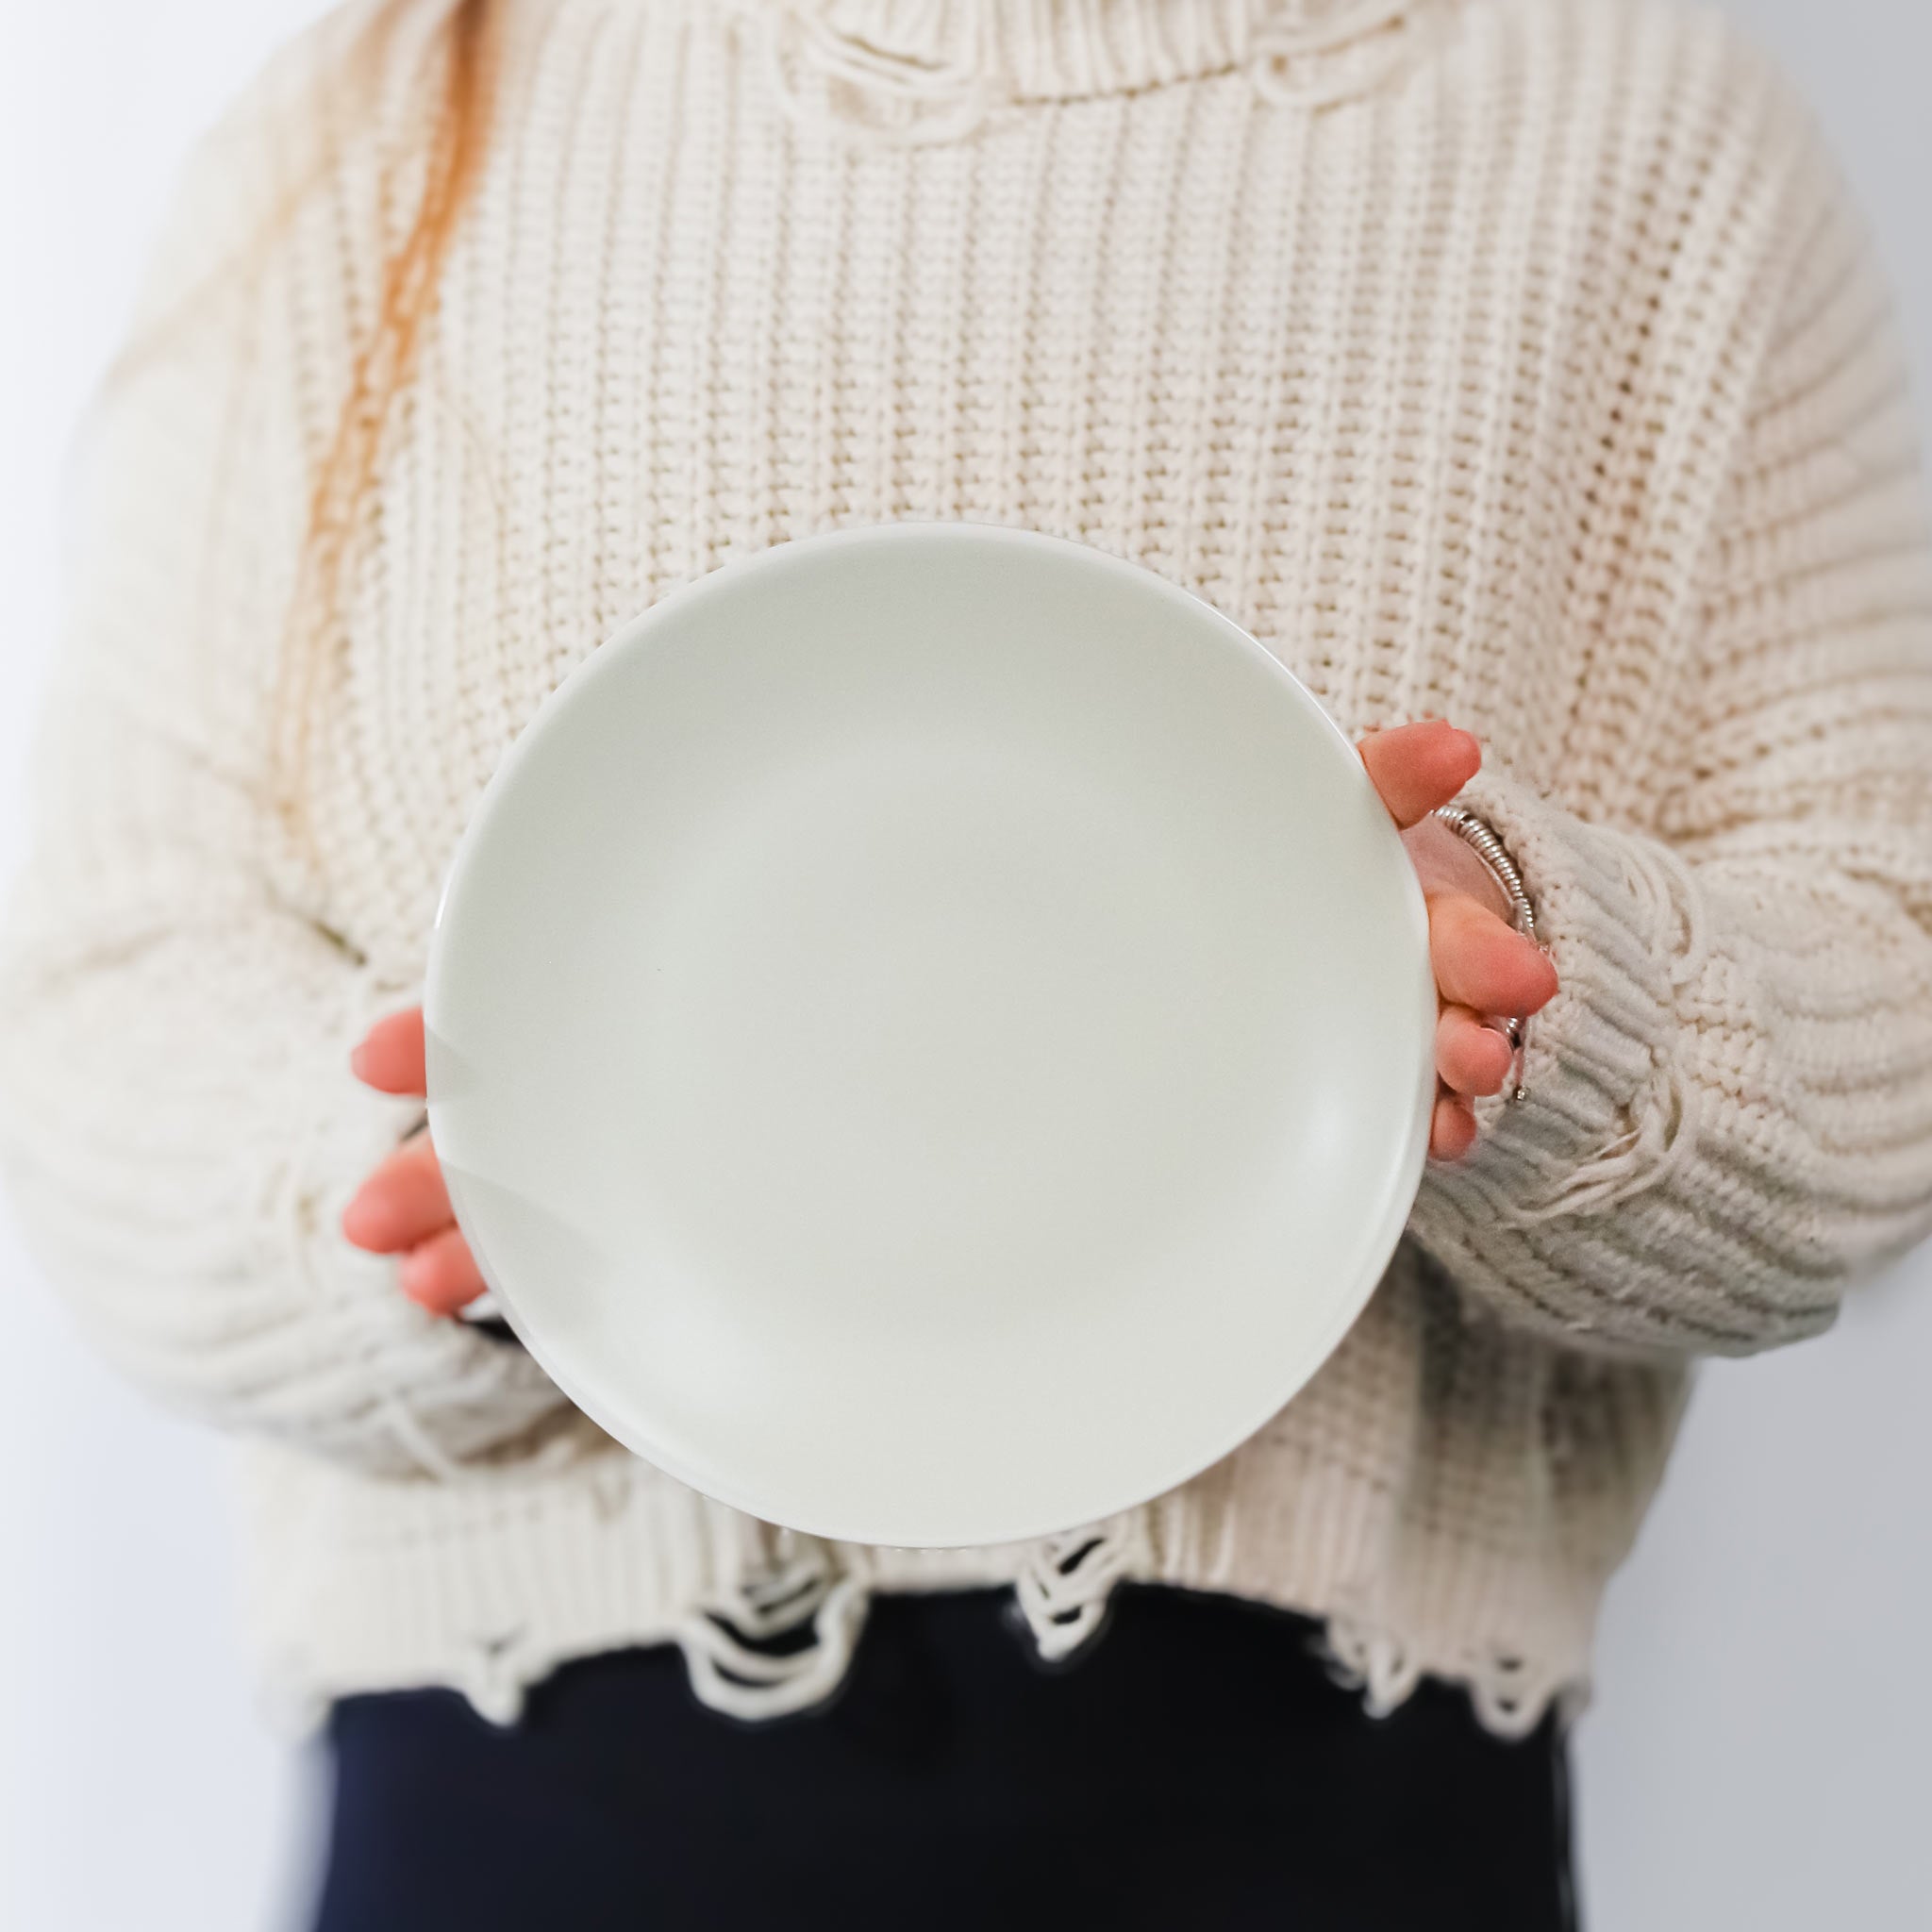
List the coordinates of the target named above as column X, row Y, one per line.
column 1729, row 1114
column 179, row 1129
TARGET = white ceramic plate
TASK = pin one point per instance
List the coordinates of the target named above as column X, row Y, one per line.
column 930, row 1035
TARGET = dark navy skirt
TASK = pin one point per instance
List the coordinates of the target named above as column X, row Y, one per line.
column 1194, row 1766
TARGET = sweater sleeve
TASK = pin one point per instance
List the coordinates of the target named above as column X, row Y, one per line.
column 1729, row 1109
column 177, row 1119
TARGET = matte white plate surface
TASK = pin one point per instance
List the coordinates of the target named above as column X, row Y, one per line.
column 930, row 1035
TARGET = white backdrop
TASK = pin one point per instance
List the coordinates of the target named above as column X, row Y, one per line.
column 1756, row 1756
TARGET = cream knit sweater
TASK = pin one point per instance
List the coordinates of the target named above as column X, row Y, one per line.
column 1517, row 360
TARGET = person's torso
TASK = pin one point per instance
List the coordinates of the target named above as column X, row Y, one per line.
column 1432, row 388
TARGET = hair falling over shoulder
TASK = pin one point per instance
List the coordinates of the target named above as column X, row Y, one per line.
column 455, row 90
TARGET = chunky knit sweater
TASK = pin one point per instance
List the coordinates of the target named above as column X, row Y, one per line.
column 1515, row 361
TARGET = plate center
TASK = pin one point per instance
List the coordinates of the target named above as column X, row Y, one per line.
column 989, row 977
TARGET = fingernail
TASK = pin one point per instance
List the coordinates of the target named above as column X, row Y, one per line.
column 359, row 1060
column 351, row 1214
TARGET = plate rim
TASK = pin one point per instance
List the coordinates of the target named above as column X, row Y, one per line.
column 1406, row 1174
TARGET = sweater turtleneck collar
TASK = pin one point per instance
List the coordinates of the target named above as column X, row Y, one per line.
column 937, row 67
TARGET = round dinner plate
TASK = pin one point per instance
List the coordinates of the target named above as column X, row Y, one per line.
column 930, row 1035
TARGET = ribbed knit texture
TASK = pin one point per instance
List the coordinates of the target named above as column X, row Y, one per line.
column 1516, row 360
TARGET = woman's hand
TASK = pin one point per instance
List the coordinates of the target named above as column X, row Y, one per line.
column 1485, row 969
column 402, row 1208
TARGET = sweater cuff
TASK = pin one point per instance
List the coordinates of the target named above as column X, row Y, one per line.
column 1603, row 1105
column 423, row 1395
